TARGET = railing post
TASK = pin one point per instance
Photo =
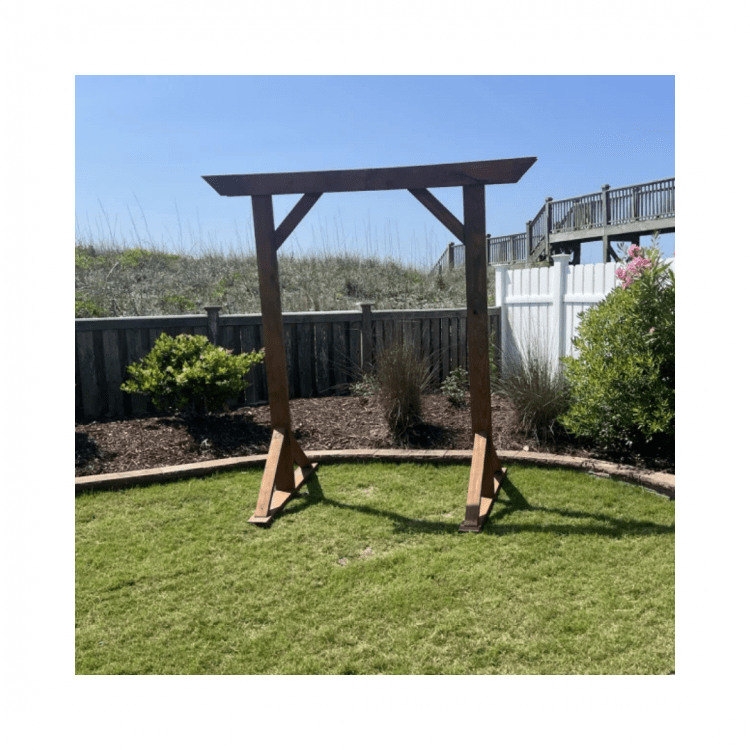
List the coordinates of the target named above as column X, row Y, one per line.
column 488, row 249
column 636, row 191
column 606, row 248
column 367, row 347
column 213, row 323
column 605, row 205
column 451, row 255
column 548, row 227
column 528, row 241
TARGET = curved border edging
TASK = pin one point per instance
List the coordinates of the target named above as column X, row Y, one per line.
column 659, row 482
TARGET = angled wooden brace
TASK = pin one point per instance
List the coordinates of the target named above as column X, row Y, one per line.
column 485, row 478
column 280, row 482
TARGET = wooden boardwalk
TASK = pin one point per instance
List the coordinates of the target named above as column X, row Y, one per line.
column 621, row 214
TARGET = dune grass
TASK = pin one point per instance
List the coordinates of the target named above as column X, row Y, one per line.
column 132, row 281
column 367, row 574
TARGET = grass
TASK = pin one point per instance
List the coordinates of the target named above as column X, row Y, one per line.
column 367, row 574
column 114, row 281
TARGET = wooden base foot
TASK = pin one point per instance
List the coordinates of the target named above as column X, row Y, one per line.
column 279, row 485
column 485, row 479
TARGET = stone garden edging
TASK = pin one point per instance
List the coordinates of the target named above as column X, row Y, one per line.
column 659, row 482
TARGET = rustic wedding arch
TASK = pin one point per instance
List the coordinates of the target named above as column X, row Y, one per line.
column 280, row 481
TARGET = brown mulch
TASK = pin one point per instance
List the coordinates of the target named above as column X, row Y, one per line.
column 334, row 423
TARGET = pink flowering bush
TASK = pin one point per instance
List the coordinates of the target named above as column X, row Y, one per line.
column 634, row 268
column 622, row 384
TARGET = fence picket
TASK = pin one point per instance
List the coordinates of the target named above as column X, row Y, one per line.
column 322, row 378
column 340, row 354
column 305, row 359
column 113, row 372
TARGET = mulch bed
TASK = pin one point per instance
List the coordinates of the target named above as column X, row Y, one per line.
column 334, row 423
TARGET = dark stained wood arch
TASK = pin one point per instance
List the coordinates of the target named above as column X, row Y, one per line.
column 280, row 480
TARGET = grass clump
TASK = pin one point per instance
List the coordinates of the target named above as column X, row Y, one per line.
column 366, row 573
column 538, row 389
column 402, row 375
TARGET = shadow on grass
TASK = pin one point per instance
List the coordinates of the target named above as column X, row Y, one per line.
column 510, row 503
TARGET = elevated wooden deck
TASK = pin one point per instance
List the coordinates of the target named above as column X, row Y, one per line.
column 613, row 214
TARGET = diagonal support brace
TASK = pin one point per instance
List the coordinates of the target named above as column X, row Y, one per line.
column 278, row 485
column 439, row 211
column 485, row 478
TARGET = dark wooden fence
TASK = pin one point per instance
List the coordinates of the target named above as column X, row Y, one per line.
column 325, row 351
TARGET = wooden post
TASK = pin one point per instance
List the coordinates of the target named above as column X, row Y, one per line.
column 270, row 306
column 606, row 246
column 279, row 482
column 529, row 240
column 575, row 249
column 636, row 192
column 451, row 255
column 483, row 482
column 213, row 323
column 548, row 227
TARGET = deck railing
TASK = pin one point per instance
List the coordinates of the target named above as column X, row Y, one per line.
column 608, row 207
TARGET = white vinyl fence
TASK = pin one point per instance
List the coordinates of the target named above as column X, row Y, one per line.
column 540, row 307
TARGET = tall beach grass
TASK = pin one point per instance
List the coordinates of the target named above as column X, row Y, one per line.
column 130, row 274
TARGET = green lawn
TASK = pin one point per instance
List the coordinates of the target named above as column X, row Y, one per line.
column 367, row 574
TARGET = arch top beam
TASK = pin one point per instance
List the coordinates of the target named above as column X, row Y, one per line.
column 493, row 172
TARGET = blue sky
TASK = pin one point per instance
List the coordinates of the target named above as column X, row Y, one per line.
column 143, row 142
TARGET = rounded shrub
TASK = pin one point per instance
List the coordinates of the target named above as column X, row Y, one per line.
column 189, row 374
column 622, row 383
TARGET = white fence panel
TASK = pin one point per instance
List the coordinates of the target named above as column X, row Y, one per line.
column 540, row 307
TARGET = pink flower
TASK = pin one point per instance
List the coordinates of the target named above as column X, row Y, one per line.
column 635, row 266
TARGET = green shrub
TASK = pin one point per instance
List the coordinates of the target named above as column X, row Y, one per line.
column 366, row 387
column 176, row 304
column 189, row 374
column 402, row 376
column 623, row 381
column 455, row 385
column 537, row 388
column 86, row 308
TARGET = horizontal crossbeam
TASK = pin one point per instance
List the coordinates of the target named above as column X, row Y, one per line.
column 494, row 172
